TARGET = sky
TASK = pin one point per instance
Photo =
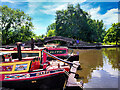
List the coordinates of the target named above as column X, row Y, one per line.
column 43, row 14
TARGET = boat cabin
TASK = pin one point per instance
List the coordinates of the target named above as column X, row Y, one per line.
column 61, row 52
column 11, row 64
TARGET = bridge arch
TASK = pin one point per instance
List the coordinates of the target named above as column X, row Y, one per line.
column 59, row 38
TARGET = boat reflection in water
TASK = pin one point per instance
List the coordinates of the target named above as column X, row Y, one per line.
column 99, row 67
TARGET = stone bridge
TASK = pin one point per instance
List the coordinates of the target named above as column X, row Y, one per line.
column 39, row 42
column 60, row 38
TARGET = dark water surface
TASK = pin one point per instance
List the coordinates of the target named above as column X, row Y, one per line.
column 99, row 67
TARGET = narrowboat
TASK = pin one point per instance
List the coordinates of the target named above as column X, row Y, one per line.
column 61, row 52
column 37, row 72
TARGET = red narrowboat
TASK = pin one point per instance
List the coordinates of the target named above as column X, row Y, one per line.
column 33, row 70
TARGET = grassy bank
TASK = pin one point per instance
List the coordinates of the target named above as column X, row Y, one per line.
column 112, row 43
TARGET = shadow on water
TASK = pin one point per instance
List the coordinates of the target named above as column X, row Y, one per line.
column 99, row 67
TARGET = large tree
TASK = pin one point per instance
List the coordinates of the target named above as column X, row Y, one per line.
column 113, row 34
column 76, row 23
column 15, row 25
column 51, row 33
column 51, row 27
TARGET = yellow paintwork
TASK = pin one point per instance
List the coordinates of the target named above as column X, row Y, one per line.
column 14, row 65
column 24, row 52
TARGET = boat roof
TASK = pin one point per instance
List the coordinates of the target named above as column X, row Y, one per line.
column 3, row 53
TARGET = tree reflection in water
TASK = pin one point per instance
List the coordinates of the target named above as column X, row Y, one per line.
column 89, row 60
column 96, row 59
column 113, row 54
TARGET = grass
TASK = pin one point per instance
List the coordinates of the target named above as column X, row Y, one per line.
column 112, row 43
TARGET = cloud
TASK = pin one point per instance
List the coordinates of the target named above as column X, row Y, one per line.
column 102, row 0
column 10, row 1
column 96, row 73
column 108, row 68
column 51, row 9
column 32, row 7
column 110, row 17
column 80, row 1
column 72, row 0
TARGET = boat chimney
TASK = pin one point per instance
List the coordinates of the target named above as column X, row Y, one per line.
column 32, row 44
column 19, row 50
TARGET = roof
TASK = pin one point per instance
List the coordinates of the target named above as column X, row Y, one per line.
column 3, row 53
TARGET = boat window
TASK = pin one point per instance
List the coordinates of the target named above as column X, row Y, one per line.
column 15, row 55
column 29, row 54
column 20, row 67
column 14, row 67
column 3, row 58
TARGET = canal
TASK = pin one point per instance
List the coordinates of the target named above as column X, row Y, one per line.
column 99, row 67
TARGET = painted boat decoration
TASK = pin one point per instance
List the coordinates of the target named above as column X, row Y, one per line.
column 33, row 72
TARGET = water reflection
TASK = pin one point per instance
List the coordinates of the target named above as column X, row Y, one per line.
column 99, row 67
column 113, row 54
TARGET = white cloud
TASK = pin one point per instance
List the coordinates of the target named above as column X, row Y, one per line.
column 80, row 1
column 32, row 7
column 108, row 68
column 51, row 9
column 10, row 1
column 102, row 0
column 110, row 17
column 96, row 73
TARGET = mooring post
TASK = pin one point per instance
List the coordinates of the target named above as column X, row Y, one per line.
column 32, row 44
column 19, row 50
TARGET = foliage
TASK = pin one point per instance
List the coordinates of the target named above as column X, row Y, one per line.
column 15, row 25
column 113, row 34
column 0, row 38
column 51, row 27
column 51, row 33
column 76, row 23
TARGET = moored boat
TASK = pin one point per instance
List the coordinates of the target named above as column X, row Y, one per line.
column 33, row 72
column 61, row 52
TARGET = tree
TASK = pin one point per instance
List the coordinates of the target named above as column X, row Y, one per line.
column 15, row 25
column 113, row 33
column 76, row 23
column 51, row 33
column 51, row 27
column 0, row 38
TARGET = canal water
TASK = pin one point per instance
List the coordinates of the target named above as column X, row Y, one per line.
column 99, row 67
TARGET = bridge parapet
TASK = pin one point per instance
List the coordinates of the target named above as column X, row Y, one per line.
column 65, row 39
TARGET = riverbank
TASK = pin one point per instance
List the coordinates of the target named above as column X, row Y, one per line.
column 93, row 47
column 75, row 47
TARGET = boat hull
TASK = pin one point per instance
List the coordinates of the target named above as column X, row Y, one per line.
column 55, row 81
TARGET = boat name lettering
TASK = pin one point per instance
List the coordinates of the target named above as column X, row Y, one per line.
column 57, row 51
